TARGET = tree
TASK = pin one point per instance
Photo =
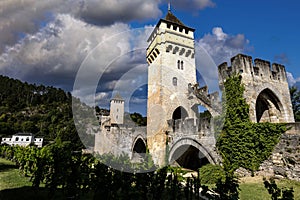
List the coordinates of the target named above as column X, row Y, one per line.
column 295, row 98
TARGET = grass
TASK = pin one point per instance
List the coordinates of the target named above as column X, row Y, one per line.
column 13, row 185
column 10, row 176
column 253, row 188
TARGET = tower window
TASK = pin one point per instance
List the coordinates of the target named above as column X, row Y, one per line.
column 174, row 28
column 157, row 51
column 178, row 64
column 168, row 25
column 174, row 81
column 181, row 65
column 154, row 54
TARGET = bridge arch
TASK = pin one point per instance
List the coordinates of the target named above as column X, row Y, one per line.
column 138, row 149
column 189, row 153
column 268, row 107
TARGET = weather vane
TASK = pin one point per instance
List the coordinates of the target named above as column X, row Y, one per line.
column 169, row 6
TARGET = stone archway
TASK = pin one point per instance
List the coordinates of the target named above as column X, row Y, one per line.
column 138, row 150
column 179, row 113
column 268, row 107
column 190, row 154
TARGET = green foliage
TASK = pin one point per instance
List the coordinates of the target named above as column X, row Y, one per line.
column 277, row 193
column 43, row 111
column 227, row 185
column 243, row 143
column 138, row 119
column 206, row 114
column 60, row 168
column 295, row 98
column 210, row 174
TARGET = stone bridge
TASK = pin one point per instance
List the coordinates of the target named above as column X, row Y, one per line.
column 192, row 143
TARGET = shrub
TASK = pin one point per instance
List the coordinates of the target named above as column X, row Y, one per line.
column 209, row 174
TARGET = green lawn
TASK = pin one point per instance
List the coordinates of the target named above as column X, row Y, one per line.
column 256, row 190
column 13, row 185
column 10, row 176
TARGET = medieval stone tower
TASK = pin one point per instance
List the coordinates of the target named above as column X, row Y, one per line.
column 171, row 60
column 266, row 88
column 117, row 110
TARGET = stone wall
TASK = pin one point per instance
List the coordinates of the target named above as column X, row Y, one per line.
column 118, row 140
column 285, row 159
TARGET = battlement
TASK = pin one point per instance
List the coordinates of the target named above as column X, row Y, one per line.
column 203, row 94
column 201, row 126
column 244, row 65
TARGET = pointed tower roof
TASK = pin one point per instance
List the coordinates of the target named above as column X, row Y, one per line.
column 117, row 97
column 172, row 18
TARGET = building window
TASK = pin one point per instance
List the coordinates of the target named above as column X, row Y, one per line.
column 22, row 140
column 154, row 54
column 17, row 139
column 174, row 81
column 27, row 139
column 181, row 65
column 117, row 117
column 157, row 51
column 178, row 64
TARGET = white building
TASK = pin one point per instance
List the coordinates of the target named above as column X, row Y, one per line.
column 22, row 139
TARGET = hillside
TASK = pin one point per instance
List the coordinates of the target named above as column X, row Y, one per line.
column 43, row 111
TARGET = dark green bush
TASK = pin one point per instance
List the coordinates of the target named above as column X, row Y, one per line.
column 209, row 174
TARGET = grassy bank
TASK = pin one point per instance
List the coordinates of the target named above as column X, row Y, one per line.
column 253, row 188
column 10, row 176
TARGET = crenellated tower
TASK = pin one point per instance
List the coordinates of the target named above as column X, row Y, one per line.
column 266, row 88
column 171, row 59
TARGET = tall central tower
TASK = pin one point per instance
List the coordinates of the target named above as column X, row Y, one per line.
column 171, row 59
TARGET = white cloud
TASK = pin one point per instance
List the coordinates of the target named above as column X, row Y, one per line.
column 215, row 48
column 110, row 11
column 192, row 4
column 291, row 79
column 222, row 46
column 53, row 55
column 19, row 17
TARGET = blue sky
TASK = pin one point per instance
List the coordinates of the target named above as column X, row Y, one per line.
column 62, row 42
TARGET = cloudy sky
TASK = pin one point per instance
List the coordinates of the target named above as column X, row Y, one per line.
column 79, row 44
